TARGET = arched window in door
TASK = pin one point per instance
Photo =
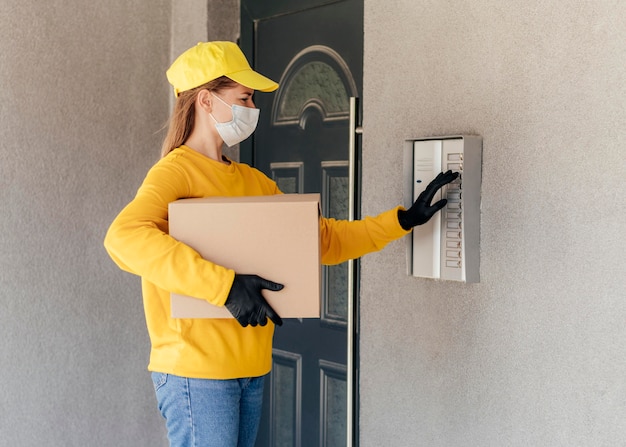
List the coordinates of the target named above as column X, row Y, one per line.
column 316, row 81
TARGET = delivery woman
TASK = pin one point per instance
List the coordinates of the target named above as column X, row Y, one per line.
column 208, row 373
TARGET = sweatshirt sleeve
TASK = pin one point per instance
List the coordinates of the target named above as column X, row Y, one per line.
column 139, row 243
column 342, row 240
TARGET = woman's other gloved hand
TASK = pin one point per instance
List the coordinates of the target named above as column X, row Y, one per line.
column 422, row 210
column 246, row 302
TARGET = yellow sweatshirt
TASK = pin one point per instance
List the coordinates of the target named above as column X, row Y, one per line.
column 139, row 243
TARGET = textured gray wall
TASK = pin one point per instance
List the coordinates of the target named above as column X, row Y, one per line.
column 82, row 106
column 534, row 354
column 82, row 100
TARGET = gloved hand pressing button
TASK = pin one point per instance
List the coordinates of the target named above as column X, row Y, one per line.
column 422, row 210
column 246, row 302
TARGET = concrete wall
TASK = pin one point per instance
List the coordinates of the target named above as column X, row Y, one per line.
column 83, row 103
column 534, row 354
column 83, row 98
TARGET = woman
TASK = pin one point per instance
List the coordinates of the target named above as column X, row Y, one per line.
column 208, row 373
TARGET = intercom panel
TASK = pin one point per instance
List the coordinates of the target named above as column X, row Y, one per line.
column 447, row 246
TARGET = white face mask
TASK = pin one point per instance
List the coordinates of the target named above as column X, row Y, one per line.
column 240, row 127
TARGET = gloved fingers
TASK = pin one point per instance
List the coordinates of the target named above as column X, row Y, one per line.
column 442, row 179
column 262, row 311
column 270, row 285
column 246, row 302
column 427, row 195
column 272, row 315
column 266, row 311
column 437, row 206
column 446, row 177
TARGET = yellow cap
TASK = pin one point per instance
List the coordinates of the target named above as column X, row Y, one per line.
column 211, row 60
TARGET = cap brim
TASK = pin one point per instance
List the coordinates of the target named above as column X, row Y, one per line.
column 253, row 80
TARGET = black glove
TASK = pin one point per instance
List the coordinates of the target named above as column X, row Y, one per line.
column 422, row 210
column 246, row 302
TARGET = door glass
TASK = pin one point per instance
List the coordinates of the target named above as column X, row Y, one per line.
column 335, row 277
column 285, row 399
column 288, row 176
column 333, row 386
column 317, row 80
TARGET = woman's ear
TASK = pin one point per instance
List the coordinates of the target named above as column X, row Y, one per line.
column 204, row 100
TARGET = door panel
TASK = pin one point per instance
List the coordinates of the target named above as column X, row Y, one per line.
column 285, row 403
column 335, row 277
column 315, row 52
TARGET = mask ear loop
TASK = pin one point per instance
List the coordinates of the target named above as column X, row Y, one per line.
column 223, row 102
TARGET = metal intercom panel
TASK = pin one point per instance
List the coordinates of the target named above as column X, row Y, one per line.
column 448, row 245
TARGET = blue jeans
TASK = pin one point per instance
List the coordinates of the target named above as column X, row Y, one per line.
column 207, row 413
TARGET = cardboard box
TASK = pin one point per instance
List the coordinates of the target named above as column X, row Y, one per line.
column 276, row 237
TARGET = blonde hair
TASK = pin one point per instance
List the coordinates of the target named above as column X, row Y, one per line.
column 182, row 119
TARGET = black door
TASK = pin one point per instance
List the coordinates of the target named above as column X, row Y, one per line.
column 302, row 141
